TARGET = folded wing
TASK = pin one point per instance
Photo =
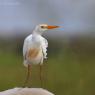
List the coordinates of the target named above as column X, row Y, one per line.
column 44, row 47
column 26, row 45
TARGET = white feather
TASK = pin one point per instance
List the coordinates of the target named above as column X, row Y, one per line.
column 26, row 44
column 36, row 41
column 44, row 47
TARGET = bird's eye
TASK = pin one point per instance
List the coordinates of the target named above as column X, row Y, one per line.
column 42, row 26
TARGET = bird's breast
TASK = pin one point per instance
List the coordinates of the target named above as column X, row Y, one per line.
column 33, row 53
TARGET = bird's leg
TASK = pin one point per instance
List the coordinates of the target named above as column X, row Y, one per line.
column 28, row 74
column 41, row 79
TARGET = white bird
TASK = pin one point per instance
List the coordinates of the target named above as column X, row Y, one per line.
column 35, row 48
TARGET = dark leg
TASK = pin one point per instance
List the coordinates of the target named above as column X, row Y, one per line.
column 41, row 79
column 28, row 75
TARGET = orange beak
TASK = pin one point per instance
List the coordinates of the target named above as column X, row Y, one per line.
column 52, row 27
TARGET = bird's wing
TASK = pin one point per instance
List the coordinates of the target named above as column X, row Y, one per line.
column 44, row 47
column 26, row 45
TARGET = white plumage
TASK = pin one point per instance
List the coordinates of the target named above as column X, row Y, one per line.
column 35, row 48
column 37, row 42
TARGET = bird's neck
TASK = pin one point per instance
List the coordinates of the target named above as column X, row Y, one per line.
column 37, row 32
column 35, row 35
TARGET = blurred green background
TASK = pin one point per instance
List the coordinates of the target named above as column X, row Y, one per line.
column 70, row 67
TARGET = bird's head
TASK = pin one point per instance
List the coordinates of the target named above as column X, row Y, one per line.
column 43, row 27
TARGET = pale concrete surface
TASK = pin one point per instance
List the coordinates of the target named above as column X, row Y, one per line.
column 26, row 91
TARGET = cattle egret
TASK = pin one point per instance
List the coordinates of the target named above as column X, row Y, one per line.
column 35, row 48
